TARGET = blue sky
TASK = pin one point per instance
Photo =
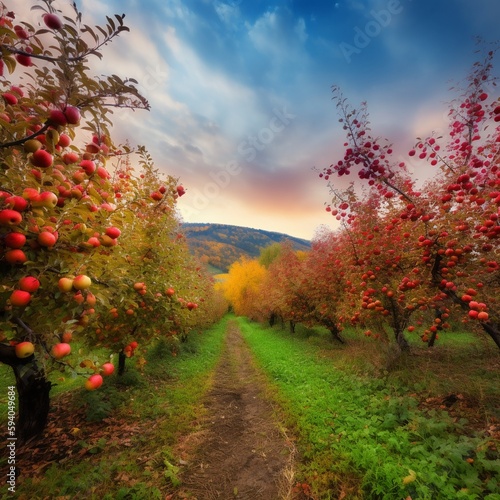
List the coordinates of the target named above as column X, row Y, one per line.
column 241, row 91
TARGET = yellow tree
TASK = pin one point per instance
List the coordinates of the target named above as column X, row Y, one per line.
column 243, row 284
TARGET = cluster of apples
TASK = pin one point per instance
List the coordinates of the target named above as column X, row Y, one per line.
column 21, row 297
column 129, row 349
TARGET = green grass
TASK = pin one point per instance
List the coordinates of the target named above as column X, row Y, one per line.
column 360, row 433
column 162, row 403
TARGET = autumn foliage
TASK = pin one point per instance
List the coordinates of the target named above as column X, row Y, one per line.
column 405, row 259
column 83, row 220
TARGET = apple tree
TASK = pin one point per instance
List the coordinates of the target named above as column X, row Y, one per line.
column 452, row 222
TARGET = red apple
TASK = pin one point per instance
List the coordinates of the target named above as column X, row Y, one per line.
column 60, row 350
column 67, row 337
column 107, row 369
column 64, row 140
column 169, row 291
column 16, row 257
column 88, row 166
column 30, row 194
column 72, row 115
column 10, row 217
column 16, row 203
column 181, row 190
column 9, row 98
column 20, row 298
column 52, row 21
column 15, row 240
column 29, row 284
column 47, row 239
column 93, row 382
column 113, row 232
column 24, row 349
column 42, row 159
column 70, row 158
column 57, row 118
column 24, row 60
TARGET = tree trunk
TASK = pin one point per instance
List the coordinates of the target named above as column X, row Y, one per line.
column 402, row 342
column 121, row 362
column 33, row 390
column 334, row 330
column 272, row 319
column 292, row 326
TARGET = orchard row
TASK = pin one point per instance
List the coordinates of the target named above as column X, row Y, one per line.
column 90, row 245
column 403, row 259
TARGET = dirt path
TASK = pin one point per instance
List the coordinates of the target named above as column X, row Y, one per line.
column 240, row 453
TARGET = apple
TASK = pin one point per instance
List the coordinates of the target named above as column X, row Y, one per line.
column 46, row 199
column 93, row 382
column 42, row 159
column 60, row 350
column 47, row 239
column 107, row 369
column 24, row 349
column 81, row 282
column 113, row 232
column 102, row 173
column 156, row 195
column 107, row 241
column 15, row 240
column 67, row 337
column 72, row 115
column 52, row 21
column 169, row 291
column 79, row 298
column 57, row 118
column 64, row 140
column 93, row 241
column 29, row 284
column 181, row 190
column 20, row 298
column 16, row 203
column 65, row 284
column 88, row 166
column 483, row 316
column 21, row 32
column 9, row 98
column 139, row 286
column 70, row 158
column 10, row 217
column 30, row 194
column 91, row 299
column 15, row 256
column 24, row 60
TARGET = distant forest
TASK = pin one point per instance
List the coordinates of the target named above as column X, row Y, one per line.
column 220, row 245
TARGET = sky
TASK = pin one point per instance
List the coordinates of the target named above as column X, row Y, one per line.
column 240, row 91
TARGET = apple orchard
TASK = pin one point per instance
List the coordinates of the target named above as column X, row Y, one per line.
column 405, row 261
column 89, row 244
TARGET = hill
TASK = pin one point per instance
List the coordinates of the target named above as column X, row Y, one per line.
column 219, row 245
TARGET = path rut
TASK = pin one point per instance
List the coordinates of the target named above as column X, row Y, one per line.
column 241, row 452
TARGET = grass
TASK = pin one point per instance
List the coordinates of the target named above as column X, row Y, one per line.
column 149, row 412
column 361, row 430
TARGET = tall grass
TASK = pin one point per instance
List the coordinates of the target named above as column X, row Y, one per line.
column 360, row 433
